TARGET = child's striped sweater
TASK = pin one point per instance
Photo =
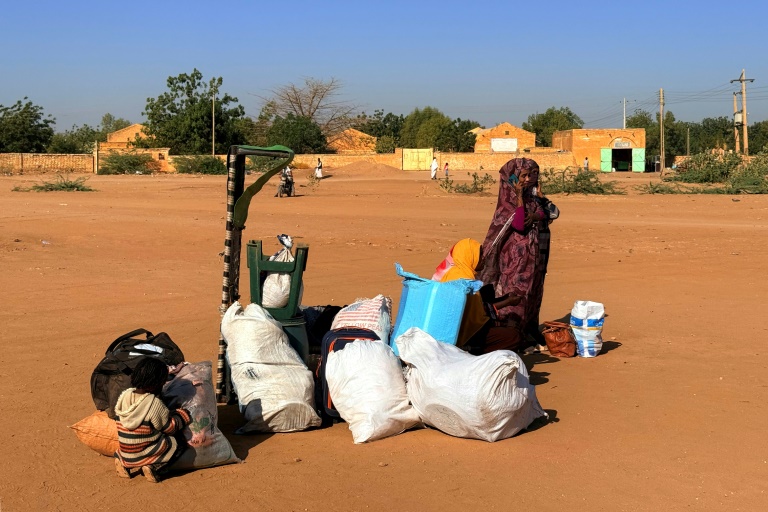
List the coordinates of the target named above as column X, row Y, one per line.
column 145, row 429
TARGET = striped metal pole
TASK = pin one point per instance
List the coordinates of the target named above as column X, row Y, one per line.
column 231, row 277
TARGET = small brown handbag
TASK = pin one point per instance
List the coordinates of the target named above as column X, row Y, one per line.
column 560, row 339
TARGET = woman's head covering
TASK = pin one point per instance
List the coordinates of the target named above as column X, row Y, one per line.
column 460, row 263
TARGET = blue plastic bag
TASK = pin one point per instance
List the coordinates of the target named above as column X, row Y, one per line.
column 434, row 307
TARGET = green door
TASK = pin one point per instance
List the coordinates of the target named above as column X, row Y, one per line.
column 605, row 159
column 638, row 160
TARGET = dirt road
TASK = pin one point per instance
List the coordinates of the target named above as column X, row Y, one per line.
column 671, row 416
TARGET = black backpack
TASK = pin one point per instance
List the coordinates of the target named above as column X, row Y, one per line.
column 112, row 375
column 334, row 341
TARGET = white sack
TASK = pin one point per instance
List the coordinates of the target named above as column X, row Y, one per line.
column 277, row 286
column 253, row 336
column 275, row 398
column 587, row 320
column 367, row 387
column 486, row 397
column 373, row 314
column 273, row 385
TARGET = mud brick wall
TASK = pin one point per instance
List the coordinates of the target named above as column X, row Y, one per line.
column 44, row 163
column 492, row 162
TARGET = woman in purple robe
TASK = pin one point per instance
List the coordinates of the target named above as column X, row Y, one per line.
column 511, row 247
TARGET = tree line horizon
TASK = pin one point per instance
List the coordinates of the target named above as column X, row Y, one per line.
column 305, row 116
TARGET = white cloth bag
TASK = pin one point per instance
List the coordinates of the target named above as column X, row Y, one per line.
column 486, row 397
column 367, row 387
column 273, row 385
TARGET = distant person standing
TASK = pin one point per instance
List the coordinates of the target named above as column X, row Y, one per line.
column 446, row 170
column 586, row 163
column 319, row 170
column 433, row 168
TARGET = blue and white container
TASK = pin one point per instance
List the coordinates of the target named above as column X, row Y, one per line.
column 434, row 307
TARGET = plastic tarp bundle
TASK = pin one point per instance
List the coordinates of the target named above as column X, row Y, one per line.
column 273, row 385
column 486, row 397
column 587, row 320
column 192, row 389
column 373, row 314
column 367, row 387
column 432, row 306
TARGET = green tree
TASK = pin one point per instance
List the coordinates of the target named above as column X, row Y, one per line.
column 554, row 119
column 758, row 137
column 674, row 134
column 381, row 124
column 301, row 134
column 80, row 139
column 645, row 120
column 422, row 128
column 180, row 119
column 110, row 123
column 711, row 132
column 24, row 128
column 457, row 137
column 385, row 127
column 385, row 144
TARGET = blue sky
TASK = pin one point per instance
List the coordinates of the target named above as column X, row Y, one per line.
column 490, row 61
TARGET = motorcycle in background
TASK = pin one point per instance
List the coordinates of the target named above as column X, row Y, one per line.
column 286, row 186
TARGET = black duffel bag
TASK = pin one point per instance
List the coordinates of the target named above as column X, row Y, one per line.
column 112, row 375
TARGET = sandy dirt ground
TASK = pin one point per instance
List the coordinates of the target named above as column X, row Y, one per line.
column 671, row 416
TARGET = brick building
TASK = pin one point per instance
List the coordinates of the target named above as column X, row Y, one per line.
column 120, row 141
column 607, row 149
column 503, row 138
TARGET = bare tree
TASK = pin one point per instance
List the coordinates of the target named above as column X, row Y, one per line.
column 315, row 99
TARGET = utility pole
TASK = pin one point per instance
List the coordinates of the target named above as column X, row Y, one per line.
column 213, row 122
column 688, row 143
column 661, row 128
column 735, row 124
column 625, row 113
column 743, row 79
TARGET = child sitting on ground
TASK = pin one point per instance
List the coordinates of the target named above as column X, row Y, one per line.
column 145, row 426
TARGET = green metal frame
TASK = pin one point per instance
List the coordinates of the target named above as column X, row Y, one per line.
column 259, row 264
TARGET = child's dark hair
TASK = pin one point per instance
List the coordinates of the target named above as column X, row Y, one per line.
column 150, row 374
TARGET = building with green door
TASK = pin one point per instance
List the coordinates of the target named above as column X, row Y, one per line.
column 607, row 150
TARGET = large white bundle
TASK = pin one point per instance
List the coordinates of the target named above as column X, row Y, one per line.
column 367, row 387
column 275, row 398
column 486, row 397
column 274, row 387
column 253, row 336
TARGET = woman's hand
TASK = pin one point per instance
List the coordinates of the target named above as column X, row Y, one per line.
column 518, row 186
column 529, row 220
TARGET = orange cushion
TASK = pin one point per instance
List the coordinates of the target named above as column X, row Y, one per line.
column 98, row 432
